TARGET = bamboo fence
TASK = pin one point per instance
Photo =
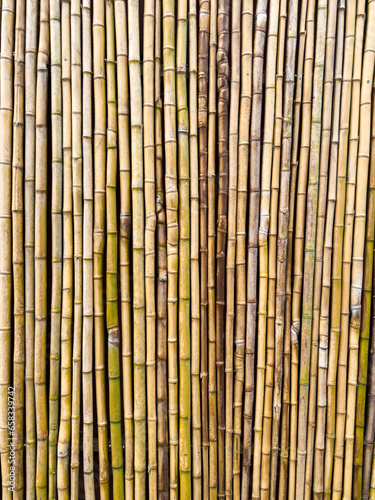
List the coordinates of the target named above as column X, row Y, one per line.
column 187, row 227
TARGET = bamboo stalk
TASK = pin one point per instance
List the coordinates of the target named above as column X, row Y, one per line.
column 57, row 245
column 194, row 254
column 6, row 114
column 252, row 254
column 150, row 228
column 98, row 32
column 29, row 164
column 161, row 235
column 203, row 50
column 18, row 250
column 340, row 286
column 282, row 329
column 211, row 281
column 75, row 21
column 123, row 114
column 360, row 277
column 243, row 161
column 365, row 326
column 88, row 291
column 111, row 271
column 138, row 252
column 41, row 252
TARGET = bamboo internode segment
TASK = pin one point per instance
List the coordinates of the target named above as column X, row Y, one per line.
column 187, row 227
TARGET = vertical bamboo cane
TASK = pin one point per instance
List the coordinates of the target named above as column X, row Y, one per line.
column 203, row 50
column 98, row 33
column 365, row 324
column 57, row 242
column 30, row 97
column 123, row 112
column 211, row 172
column 194, row 253
column 6, row 114
column 253, row 230
column 138, row 252
column 161, row 234
column 41, row 252
column 360, row 277
column 88, row 291
column 150, row 228
column 243, row 164
column 18, row 250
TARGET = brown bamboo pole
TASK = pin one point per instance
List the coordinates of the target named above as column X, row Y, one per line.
column 282, row 332
column 98, row 33
column 365, row 325
column 231, row 245
column 360, row 277
column 30, row 111
column 291, row 351
column 18, row 250
column 194, row 253
column 76, row 70
column 203, row 50
column 253, row 230
column 123, row 114
column 243, row 163
column 340, row 288
column 63, row 446
column 57, row 242
column 150, row 228
column 325, row 206
column 162, row 280
column 88, row 290
column 372, row 489
column 211, row 279
column 6, row 114
column 114, row 371
column 222, row 58
column 138, row 222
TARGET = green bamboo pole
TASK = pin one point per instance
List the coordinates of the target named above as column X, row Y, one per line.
column 6, row 114
column 243, row 161
column 171, row 195
column 30, row 98
column 150, row 228
column 196, row 423
column 41, row 253
column 57, row 242
column 139, row 359
column 88, row 291
column 98, row 33
column 63, row 447
column 123, row 112
column 162, row 385
column 18, row 250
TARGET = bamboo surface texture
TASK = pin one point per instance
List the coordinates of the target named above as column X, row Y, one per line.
column 187, row 227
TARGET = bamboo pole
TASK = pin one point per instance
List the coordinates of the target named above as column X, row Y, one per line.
column 29, row 239
column 243, row 162
column 211, row 279
column 125, row 223
column 282, row 332
column 41, row 252
column 88, row 290
column 150, row 228
column 194, row 253
column 57, row 242
column 203, row 49
column 18, row 250
column 98, row 33
column 138, row 252
column 162, row 280
column 6, row 114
